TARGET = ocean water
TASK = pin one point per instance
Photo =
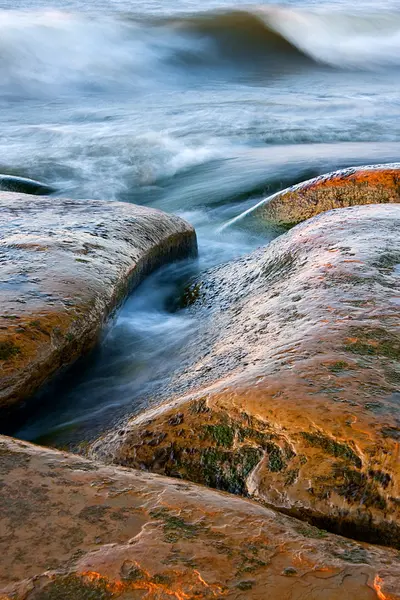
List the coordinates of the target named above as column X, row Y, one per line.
column 201, row 109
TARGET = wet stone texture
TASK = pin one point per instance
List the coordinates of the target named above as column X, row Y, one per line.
column 71, row 529
column 64, row 266
column 379, row 184
column 291, row 389
column 11, row 183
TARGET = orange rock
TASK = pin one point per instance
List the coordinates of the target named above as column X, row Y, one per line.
column 73, row 529
column 378, row 184
column 291, row 385
column 64, row 266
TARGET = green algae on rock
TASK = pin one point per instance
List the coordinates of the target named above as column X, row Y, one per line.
column 289, row 392
column 79, row 530
column 65, row 265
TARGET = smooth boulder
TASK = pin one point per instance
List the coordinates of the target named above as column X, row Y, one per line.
column 12, row 183
column 377, row 184
column 73, row 529
column 64, row 266
column 289, row 391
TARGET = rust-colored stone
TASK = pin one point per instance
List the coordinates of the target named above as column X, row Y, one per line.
column 73, row 529
column 378, row 184
column 64, row 266
column 291, row 384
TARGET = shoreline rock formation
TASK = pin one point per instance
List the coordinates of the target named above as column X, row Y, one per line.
column 71, row 528
column 376, row 184
column 288, row 395
column 290, row 391
column 65, row 266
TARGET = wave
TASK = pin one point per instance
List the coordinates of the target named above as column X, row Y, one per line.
column 339, row 39
column 238, row 32
column 52, row 48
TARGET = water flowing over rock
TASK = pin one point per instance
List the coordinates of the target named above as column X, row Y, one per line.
column 64, row 266
column 289, row 393
column 377, row 184
column 72, row 528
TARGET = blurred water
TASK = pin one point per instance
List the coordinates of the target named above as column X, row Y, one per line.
column 198, row 113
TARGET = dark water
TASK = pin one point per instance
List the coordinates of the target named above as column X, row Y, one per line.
column 197, row 113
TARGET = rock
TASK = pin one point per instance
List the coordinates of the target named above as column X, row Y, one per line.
column 73, row 529
column 290, row 390
column 11, row 183
column 378, row 184
column 64, row 266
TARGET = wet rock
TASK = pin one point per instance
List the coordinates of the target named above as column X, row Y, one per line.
column 75, row 529
column 64, row 266
column 11, row 183
column 379, row 184
column 290, row 390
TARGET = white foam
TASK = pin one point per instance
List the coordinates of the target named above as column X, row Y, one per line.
column 55, row 51
column 338, row 38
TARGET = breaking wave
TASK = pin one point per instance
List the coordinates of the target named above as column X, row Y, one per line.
column 52, row 48
column 335, row 38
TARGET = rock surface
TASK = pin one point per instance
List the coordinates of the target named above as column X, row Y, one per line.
column 291, row 388
column 11, row 183
column 378, row 184
column 73, row 529
column 64, row 266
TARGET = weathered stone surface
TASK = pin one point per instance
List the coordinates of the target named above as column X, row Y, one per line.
column 291, row 387
column 378, row 184
column 11, row 183
column 73, row 529
column 64, row 265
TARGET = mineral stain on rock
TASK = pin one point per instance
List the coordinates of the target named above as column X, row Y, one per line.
column 65, row 266
column 293, row 408
column 176, row 540
column 377, row 184
column 291, row 403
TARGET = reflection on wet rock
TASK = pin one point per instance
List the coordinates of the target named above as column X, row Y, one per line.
column 64, row 266
column 289, row 391
column 83, row 531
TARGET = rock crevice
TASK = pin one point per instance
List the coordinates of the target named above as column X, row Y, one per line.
column 65, row 266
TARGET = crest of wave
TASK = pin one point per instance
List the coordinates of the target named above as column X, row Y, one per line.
column 337, row 37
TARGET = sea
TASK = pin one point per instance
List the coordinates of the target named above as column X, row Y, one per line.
column 198, row 108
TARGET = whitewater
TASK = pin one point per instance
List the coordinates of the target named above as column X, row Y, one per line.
column 198, row 109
